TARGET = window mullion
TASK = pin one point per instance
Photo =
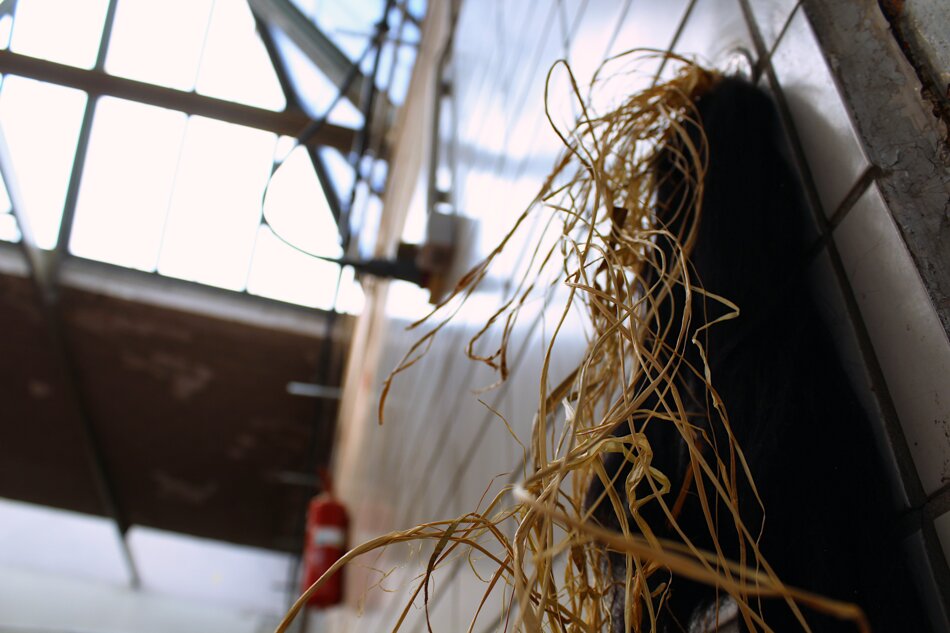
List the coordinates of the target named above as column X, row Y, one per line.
column 82, row 146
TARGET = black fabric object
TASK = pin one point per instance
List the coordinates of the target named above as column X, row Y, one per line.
column 810, row 445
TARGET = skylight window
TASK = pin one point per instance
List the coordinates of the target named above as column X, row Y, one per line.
column 162, row 191
column 41, row 125
column 9, row 231
column 158, row 42
column 297, row 208
column 280, row 272
column 216, row 204
column 127, row 183
column 235, row 65
column 348, row 24
column 316, row 90
column 6, row 29
column 63, row 32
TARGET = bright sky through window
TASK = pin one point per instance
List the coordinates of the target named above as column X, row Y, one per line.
column 216, row 204
column 297, row 208
column 41, row 125
column 127, row 183
column 235, row 65
column 6, row 30
column 71, row 38
column 159, row 42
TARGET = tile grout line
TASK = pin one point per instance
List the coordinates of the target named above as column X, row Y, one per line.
column 861, row 185
column 767, row 59
column 938, row 503
column 867, row 178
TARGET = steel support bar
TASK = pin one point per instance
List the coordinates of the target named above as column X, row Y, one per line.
column 292, row 96
column 280, row 69
column 311, row 41
column 39, row 262
column 331, row 61
column 98, row 83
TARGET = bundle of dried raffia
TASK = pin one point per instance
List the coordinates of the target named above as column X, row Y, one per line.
column 592, row 548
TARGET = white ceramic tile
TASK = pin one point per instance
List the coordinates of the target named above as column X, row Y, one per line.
column 905, row 331
column 770, row 17
column 822, row 124
column 831, row 305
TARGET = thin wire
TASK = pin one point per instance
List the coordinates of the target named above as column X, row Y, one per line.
column 314, row 126
column 369, row 109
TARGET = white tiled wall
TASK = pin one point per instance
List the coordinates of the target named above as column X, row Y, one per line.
column 440, row 448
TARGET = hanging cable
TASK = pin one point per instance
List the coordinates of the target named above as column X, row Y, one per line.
column 361, row 142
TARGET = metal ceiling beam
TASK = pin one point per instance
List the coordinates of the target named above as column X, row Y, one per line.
column 312, row 41
column 320, row 49
column 98, row 83
column 280, row 69
column 293, row 98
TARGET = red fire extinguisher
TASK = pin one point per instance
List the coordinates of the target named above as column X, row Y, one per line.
column 327, row 524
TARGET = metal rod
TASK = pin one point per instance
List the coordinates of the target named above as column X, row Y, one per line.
column 293, row 99
column 326, row 183
column 38, row 262
column 98, row 83
column 82, row 147
column 280, row 69
column 325, row 55
column 311, row 390
column 362, row 138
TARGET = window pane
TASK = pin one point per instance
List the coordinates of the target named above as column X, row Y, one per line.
column 159, row 42
column 351, row 299
column 402, row 74
column 417, row 7
column 280, row 272
column 341, row 172
column 350, row 25
column 315, row 90
column 216, row 204
column 6, row 27
column 41, row 123
column 235, row 65
column 297, row 209
column 64, row 32
column 365, row 219
column 9, row 231
column 5, row 205
column 126, row 183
